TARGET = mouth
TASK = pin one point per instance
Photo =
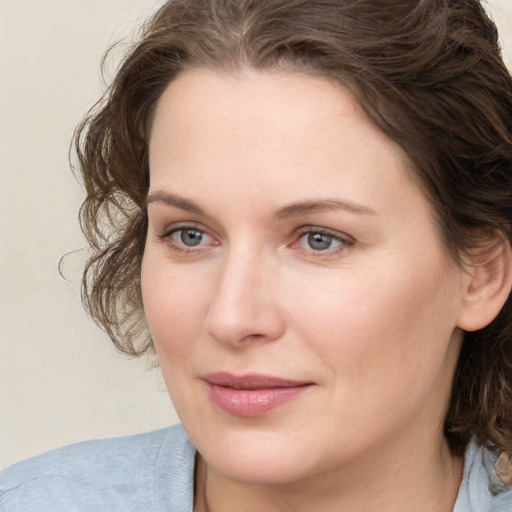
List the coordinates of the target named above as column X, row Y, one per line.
column 252, row 395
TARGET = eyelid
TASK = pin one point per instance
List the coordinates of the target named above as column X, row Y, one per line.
column 325, row 231
column 169, row 229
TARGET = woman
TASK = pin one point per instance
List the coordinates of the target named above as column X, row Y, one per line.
column 311, row 204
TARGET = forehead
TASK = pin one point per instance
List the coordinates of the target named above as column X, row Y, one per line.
column 206, row 96
column 245, row 132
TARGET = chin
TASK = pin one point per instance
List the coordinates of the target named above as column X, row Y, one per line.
column 258, row 468
column 258, row 457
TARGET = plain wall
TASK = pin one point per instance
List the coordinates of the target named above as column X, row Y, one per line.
column 60, row 379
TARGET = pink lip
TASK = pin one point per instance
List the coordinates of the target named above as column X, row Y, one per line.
column 251, row 395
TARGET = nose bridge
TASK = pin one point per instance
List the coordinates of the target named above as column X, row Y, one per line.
column 245, row 304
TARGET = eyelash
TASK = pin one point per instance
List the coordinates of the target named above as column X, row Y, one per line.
column 343, row 240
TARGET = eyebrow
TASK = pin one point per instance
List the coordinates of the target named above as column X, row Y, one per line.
column 305, row 207
column 176, row 201
column 289, row 211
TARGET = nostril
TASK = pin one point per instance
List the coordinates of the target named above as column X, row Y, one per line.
column 243, row 329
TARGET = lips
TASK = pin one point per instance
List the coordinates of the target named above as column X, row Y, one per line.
column 252, row 395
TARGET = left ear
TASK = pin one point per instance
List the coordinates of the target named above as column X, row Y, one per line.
column 489, row 283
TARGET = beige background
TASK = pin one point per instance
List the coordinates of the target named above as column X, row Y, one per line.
column 60, row 380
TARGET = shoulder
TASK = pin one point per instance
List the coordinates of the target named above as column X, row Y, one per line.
column 481, row 489
column 137, row 472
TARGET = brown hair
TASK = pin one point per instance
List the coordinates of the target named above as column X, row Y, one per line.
column 427, row 72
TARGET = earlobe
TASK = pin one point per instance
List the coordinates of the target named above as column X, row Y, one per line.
column 489, row 284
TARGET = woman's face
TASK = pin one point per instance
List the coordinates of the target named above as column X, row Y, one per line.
column 301, row 303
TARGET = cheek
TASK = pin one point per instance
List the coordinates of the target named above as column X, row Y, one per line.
column 380, row 330
column 173, row 309
column 172, row 305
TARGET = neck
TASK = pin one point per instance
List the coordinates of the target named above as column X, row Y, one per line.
column 427, row 478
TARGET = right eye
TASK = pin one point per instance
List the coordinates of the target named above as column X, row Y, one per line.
column 189, row 237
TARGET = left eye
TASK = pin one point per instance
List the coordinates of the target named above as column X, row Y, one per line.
column 318, row 241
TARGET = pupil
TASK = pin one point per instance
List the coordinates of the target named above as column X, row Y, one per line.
column 319, row 242
column 191, row 237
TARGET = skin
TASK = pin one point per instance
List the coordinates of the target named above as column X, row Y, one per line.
column 372, row 321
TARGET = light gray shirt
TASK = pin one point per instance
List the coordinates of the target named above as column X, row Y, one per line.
column 154, row 472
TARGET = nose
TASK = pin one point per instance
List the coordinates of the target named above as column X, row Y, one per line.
column 245, row 305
